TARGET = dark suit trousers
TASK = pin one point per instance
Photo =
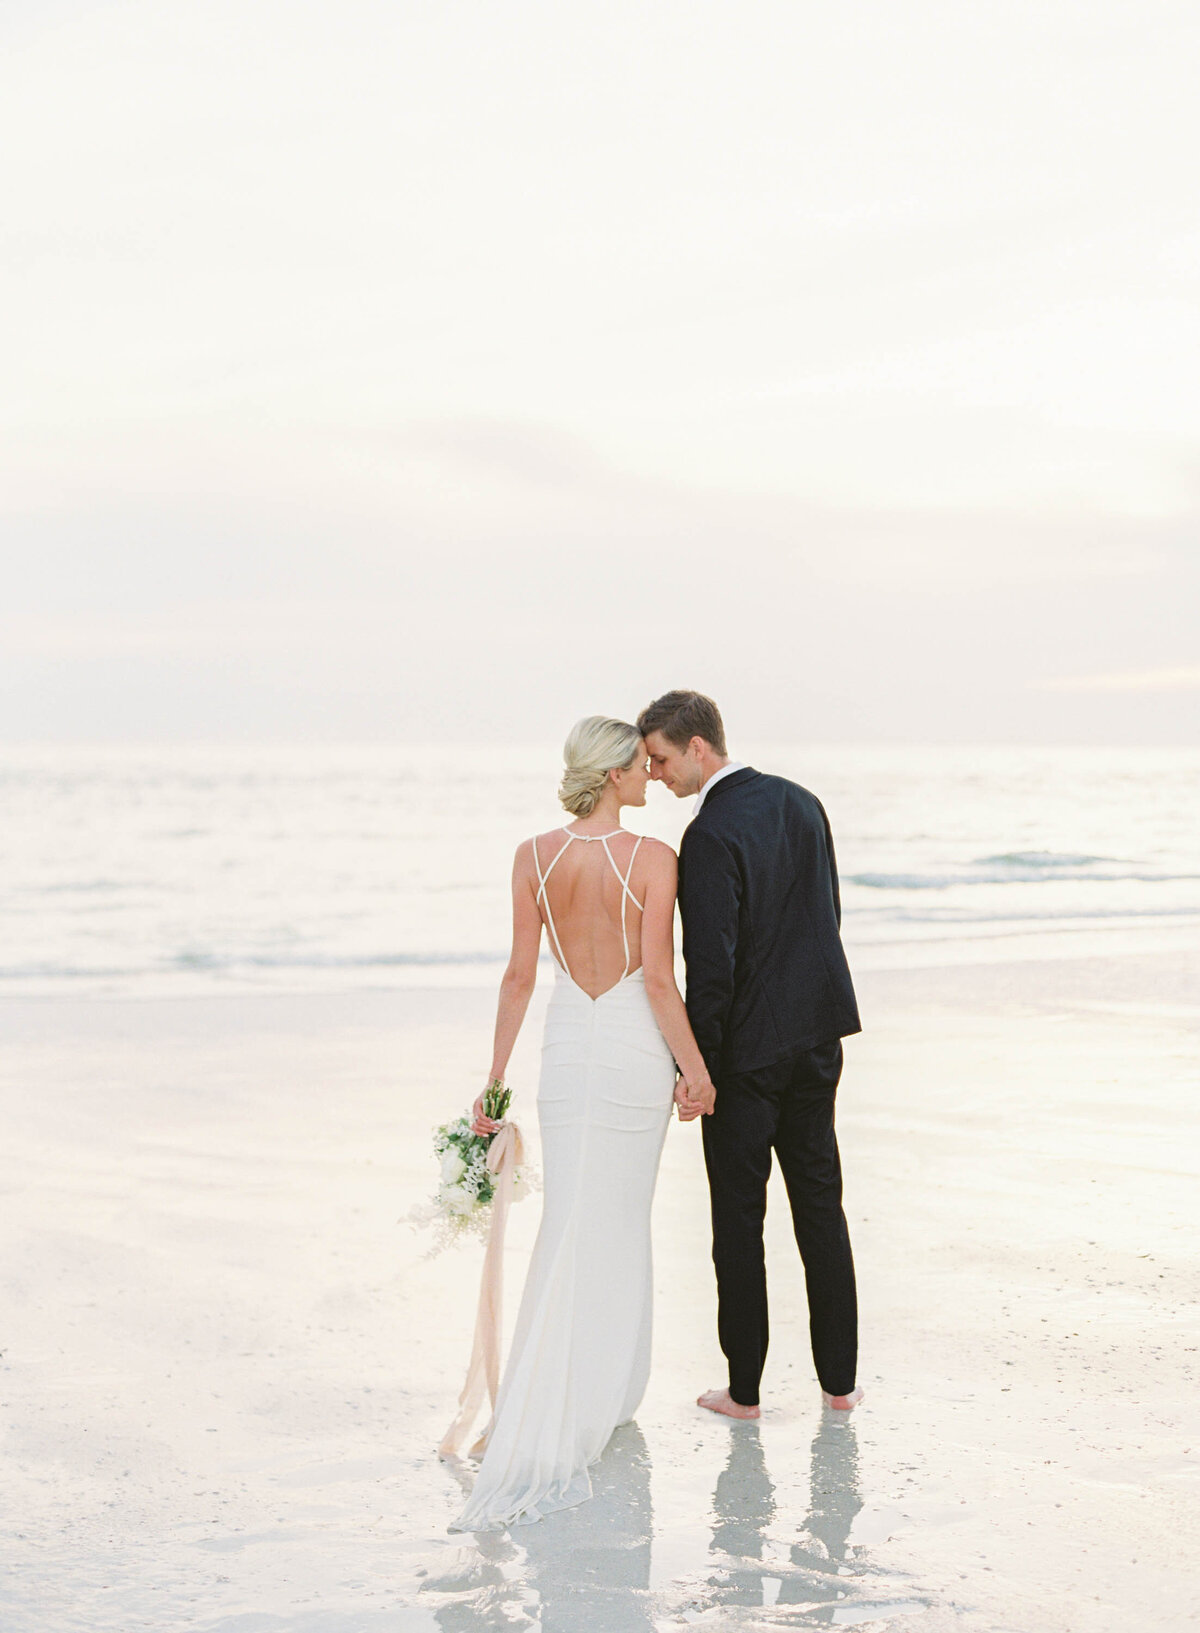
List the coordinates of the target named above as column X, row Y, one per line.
column 787, row 1108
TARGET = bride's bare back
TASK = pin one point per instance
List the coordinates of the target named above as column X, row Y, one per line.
column 588, row 898
column 606, row 899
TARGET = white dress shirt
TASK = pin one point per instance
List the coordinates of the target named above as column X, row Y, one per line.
column 734, row 765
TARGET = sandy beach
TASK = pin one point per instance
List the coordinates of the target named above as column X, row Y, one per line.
column 226, row 1363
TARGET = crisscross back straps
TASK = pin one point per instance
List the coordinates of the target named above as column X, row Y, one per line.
column 543, row 894
column 625, row 891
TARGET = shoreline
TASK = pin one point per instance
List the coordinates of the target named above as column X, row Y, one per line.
column 1073, row 973
column 1069, row 941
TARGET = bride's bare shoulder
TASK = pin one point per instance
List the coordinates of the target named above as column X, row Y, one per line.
column 546, row 843
column 658, row 854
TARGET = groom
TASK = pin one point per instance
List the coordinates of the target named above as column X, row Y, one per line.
column 770, row 999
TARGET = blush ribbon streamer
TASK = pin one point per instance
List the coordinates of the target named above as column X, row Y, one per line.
column 505, row 1155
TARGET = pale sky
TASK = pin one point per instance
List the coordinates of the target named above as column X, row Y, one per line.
column 378, row 371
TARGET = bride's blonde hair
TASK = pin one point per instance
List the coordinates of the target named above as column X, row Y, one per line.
column 594, row 747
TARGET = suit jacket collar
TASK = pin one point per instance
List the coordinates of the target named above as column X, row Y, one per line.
column 735, row 779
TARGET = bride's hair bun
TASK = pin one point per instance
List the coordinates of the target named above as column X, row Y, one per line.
column 594, row 747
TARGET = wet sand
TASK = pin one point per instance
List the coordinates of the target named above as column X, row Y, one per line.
column 226, row 1364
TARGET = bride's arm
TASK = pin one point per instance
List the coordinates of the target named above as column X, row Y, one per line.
column 517, row 982
column 658, row 965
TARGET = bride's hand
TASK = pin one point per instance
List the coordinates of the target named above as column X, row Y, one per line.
column 481, row 1124
column 696, row 1098
column 702, row 1095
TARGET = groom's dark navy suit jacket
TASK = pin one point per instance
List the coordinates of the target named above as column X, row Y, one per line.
column 767, row 978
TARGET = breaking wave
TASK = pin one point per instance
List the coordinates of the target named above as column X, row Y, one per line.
column 1022, row 868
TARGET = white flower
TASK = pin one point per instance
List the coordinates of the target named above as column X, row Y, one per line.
column 520, row 1186
column 458, row 1201
column 453, row 1167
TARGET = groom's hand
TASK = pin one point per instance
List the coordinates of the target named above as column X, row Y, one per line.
column 703, row 1095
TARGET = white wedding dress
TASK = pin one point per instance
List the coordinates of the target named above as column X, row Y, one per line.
column 580, row 1355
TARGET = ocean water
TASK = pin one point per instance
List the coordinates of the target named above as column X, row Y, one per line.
column 173, row 870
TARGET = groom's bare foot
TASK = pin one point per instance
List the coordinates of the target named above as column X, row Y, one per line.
column 720, row 1400
column 843, row 1403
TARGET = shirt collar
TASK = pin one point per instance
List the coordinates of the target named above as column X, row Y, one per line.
column 734, row 765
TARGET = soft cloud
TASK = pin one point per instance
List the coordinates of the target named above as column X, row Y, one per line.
column 388, row 368
column 1182, row 678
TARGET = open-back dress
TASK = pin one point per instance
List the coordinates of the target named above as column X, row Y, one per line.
column 580, row 1354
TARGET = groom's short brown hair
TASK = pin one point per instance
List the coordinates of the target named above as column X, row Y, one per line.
column 680, row 716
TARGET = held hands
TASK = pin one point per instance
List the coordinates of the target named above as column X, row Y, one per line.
column 694, row 1099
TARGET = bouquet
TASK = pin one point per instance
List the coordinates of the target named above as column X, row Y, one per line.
column 462, row 1204
column 481, row 1175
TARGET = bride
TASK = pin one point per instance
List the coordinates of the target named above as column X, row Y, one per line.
column 615, row 1029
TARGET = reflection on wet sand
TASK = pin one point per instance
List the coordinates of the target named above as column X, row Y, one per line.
column 834, row 1500
column 481, row 1590
column 591, row 1564
column 585, row 1570
column 758, row 1570
column 588, row 1569
column 822, row 1578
